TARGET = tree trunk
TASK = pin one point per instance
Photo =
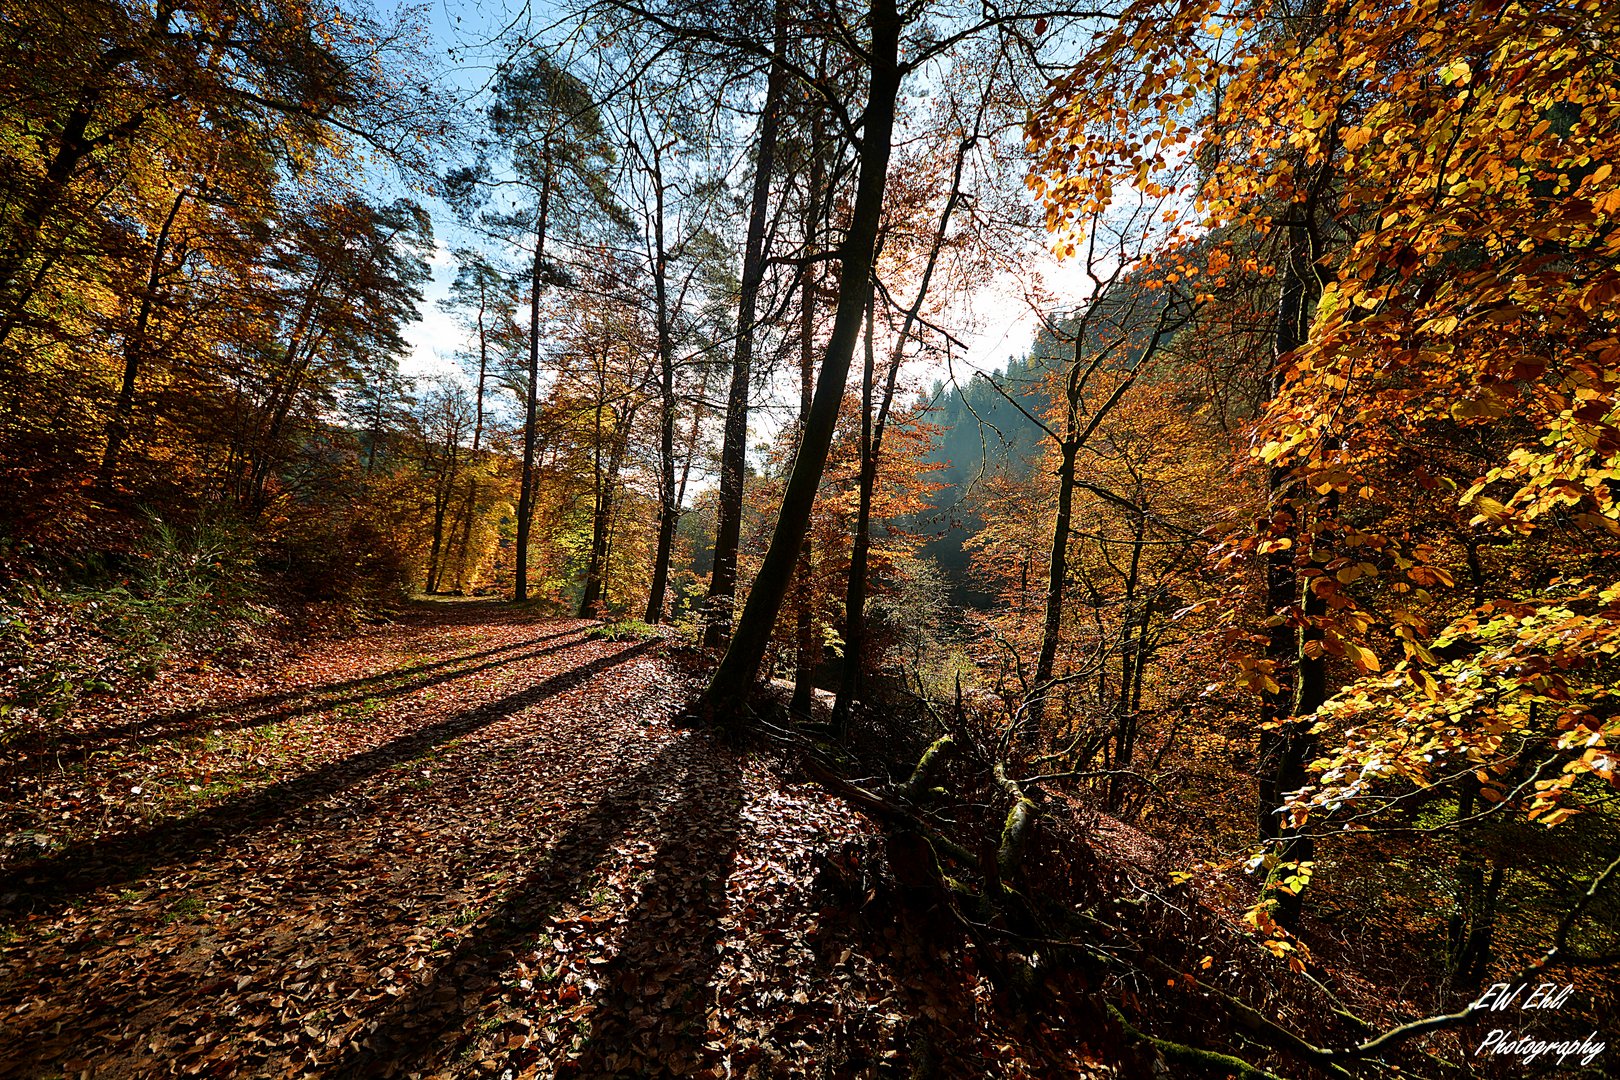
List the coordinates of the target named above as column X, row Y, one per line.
column 1286, row 744
column 1130, row 665
column 871, row 449
column 374, row 436
column 443, row 493
column 74, row 145
column 531, row 401
column 464, row 540
column 279, row 400
column 1282, row 579
column 1074, row 439
column 849, row 676
column 134, row 347
column 669, row 511
column 804, row 637
column 602, row 519
column 692, row 433
column 728, row 690
column 281, row 405
column 441, row 504
column 721, row 600
column 593, row 562
column 1057, row 573
column 808, row 651
column 1469, row 931
column 477, row 439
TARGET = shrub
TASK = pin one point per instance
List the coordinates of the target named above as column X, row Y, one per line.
column 188, row 593
column 625, row 630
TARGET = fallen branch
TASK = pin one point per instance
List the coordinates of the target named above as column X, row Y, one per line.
column 1191, row 1055
column 928, row 766
column 883, row 808
column 1015, row 831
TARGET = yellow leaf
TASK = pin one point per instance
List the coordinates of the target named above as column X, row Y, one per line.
column 1490, row 510
column 1486, row 405
column 1364, row 658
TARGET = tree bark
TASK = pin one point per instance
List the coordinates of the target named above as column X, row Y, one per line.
column 531, row 402
column 807, row 649
column 1286, row 745
column 728, row 690
column 804, row 638
column 301, row 351
column 871, row 449
column 721, row 601
column 849, row 676
column 134, row 348
column 602, row 515
column 1468, row 931
column 669, row 511
column 443, row 492
column 477, row 439
column 1070, row 443
column 1132, row 658
column 74, row 146
column 1057, row 573
column 1282, row 578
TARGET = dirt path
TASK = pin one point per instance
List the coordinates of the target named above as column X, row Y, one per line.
column 472, row 844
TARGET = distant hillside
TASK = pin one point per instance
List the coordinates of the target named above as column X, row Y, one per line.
column 980, row 432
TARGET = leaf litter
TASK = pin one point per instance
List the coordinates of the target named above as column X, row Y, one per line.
column 475, row 843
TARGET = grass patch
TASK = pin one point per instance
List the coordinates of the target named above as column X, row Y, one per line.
column 359, row 710
column 625, row 630
column 187, row 907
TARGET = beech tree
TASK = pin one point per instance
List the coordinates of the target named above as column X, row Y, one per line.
column 487, row 300
column 352, row 274
column 1450, row 328
column 733, row 452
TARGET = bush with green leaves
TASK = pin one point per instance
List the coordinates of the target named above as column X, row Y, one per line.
column 625, row 630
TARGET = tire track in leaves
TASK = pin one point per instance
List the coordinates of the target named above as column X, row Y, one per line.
column 260, row 929
column 301, row 701
column 44, row 886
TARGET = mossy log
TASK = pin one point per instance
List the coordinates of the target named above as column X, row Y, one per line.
column 1015, row 830
column 1216, row 1063
column 928, row 766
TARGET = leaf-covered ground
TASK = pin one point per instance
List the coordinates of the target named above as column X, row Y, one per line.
column 469, row 844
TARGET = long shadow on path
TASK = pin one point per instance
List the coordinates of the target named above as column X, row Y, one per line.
column 75, row 748
column 652, row 1011
column 47, row 885
column 390, row 675
column 653, row 1017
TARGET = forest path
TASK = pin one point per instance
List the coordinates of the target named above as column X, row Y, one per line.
column 469, row 844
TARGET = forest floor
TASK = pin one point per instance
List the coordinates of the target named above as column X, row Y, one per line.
column 474, row 842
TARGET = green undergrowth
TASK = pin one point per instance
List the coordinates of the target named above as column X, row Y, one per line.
column 625, row 630
column 190, row 594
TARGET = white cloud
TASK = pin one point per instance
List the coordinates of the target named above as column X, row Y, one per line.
column 433, row 341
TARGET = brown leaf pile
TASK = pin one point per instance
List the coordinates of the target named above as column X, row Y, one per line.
column 470, row 845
